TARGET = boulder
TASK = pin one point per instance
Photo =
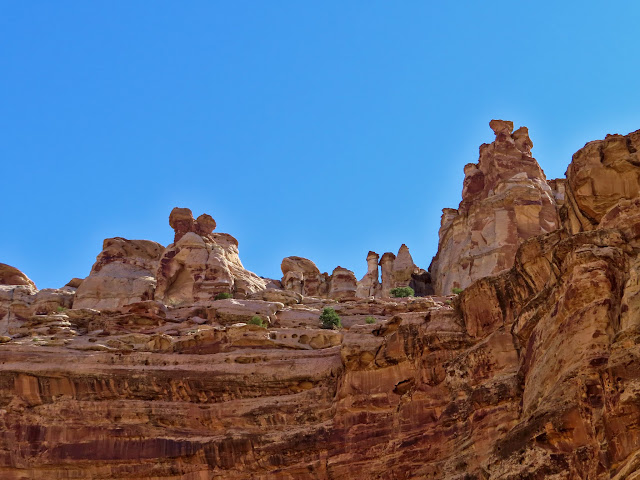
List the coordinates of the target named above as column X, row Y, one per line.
column 369, row 285
column 600, row 175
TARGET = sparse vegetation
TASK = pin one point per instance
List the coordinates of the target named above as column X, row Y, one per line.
column 370, row 320
column 456, row 290
column 256, row 320
column 329, row 319
column 401, row 292
column 222, row 296
column 60, row 309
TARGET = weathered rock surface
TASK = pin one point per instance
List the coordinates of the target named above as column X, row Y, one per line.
column 369, row 285
column 124, row 272
column 528, row 374
column 342, row 284
column 599, row 176
column 201, row 264
column 505, row 200
column 12, row 276
column 302, row 276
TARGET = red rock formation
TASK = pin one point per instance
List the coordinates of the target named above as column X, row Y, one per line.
column 301, row 275
column 124, row 272
column 505, row 200
column 181, row 220
column 599, row 176
column 12, row 276
column 529, row 374
column 201, row 264
column 369, row 285
column 342, row 284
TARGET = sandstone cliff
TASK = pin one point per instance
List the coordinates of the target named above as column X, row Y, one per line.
column 505, row 200
column 531, row 373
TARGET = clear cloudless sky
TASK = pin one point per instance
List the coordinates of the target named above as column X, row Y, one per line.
column 319, row 129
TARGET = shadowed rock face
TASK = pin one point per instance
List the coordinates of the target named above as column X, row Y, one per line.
column 529, row 374
column 505, row 200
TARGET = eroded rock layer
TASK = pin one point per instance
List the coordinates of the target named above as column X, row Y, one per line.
column 505, row 200
column 529, row 374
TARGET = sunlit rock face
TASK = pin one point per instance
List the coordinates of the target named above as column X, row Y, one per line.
column 600, row 175
column 124, row 273
column 531, row 373
column 201, row 264
column 506, row 199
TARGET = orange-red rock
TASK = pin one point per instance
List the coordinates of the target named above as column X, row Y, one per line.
column 532, row 373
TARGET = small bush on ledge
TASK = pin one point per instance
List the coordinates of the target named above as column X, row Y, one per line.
column 456, row 290
column 401, row 292
column 329, row 319
column 222, row 296
column 256, row 320
column 370, row 320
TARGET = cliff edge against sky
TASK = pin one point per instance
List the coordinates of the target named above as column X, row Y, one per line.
column 531, row 372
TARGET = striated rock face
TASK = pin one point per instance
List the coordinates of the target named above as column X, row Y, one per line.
column 532, row 373
column 505, row 200
column 124, row 272
column 599, row 176
column 12, row 276
column 201, row 264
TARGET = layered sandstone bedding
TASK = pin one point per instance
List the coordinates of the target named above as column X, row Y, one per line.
column 532, row 372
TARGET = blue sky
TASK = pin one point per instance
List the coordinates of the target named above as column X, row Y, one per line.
column 319, row 129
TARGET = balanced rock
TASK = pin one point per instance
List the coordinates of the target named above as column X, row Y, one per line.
column 124, row 273
column 403, row 268
column 505, row 200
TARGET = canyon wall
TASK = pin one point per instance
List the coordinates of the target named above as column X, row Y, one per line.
column 532, row 372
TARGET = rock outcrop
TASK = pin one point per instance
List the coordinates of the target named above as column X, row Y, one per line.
column 505, row 200
column 599, row 176
column 201, row 264
column 124, row 273
column 12, row 276
column 302, row 276
column 531, row 373
column 369, row 285
column 342, row 284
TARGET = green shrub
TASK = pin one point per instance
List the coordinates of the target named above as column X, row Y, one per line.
column 456, row 290
column 256, row 320
column 329, row 319
column 60, row 309
column 370, row 320
column 222, row 296
column 400, row 292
